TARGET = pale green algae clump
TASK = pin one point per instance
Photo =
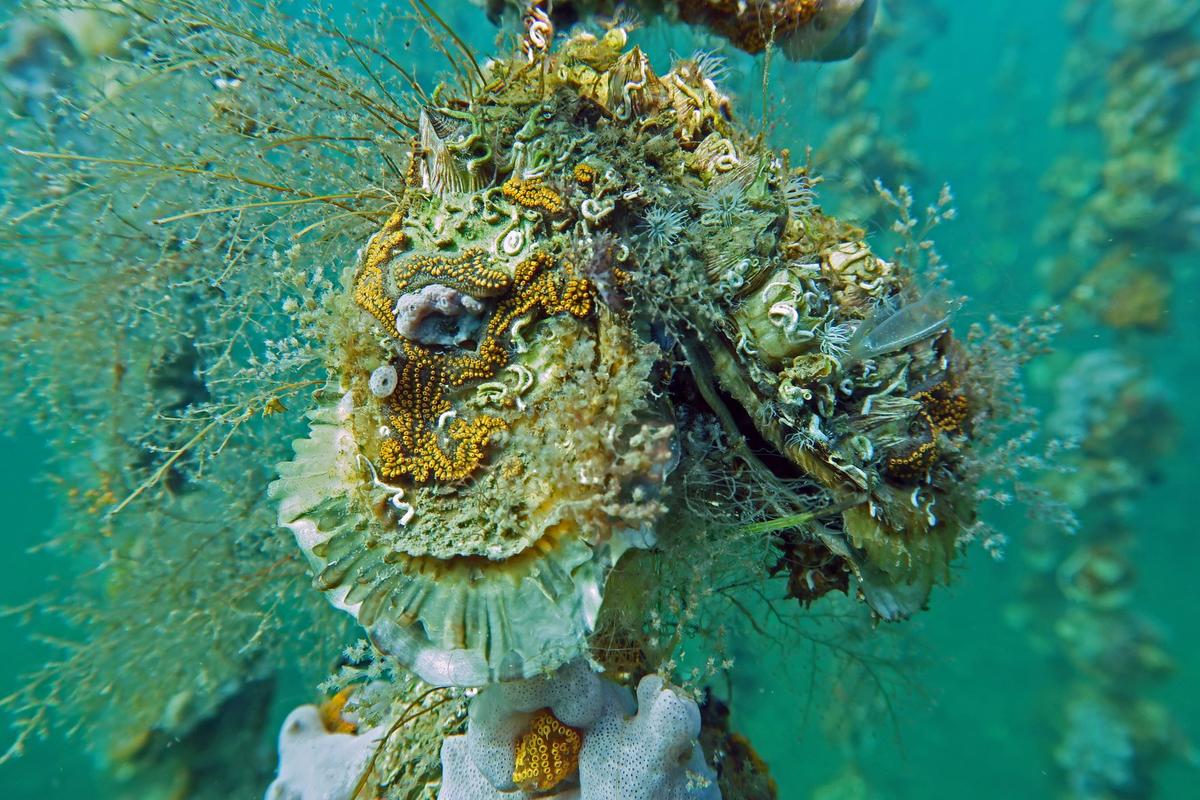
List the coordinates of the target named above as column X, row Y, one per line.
column 575, row 350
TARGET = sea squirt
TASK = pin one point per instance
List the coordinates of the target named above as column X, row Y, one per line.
column 888, row 331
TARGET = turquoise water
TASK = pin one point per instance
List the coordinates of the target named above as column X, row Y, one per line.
column 975, row 696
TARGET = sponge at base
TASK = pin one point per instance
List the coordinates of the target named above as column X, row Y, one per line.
column 646, row 750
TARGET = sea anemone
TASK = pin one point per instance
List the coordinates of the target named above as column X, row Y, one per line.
column 661, row 228
column 724, row 204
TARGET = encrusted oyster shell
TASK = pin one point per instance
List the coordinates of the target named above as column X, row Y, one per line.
column 498, row 574
column 462, row 621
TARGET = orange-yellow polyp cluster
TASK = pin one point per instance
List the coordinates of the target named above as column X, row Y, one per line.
column 468, row 272
column 547, row 753
column 427, row 439
column 368, row 286
column 533, row 194
column 584, row 174
column 943, row 410
column 943, row 407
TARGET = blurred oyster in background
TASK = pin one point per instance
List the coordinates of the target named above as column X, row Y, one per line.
column 806, row 30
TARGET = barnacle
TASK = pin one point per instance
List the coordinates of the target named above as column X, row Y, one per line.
column 709, row 65
column 859, row 280
column 799, row 196
column 454, row 152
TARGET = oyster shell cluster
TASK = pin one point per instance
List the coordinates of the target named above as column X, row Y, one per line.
column 810, row 30
column 590, row 267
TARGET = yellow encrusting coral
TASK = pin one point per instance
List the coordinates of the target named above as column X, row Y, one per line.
column 547, row 753
column 416, row 406
column 584, row 174
column 944, row 410
column 428, row 441
column 467, row 272
column 533, row 194
column 368, row 286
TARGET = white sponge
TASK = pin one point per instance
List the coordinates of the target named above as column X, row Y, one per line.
column 315, row 764
column 650, row 755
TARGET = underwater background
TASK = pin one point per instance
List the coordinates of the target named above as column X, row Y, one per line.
column 975, row 690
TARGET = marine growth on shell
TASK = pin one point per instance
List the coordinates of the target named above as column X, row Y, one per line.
column 552, row 377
